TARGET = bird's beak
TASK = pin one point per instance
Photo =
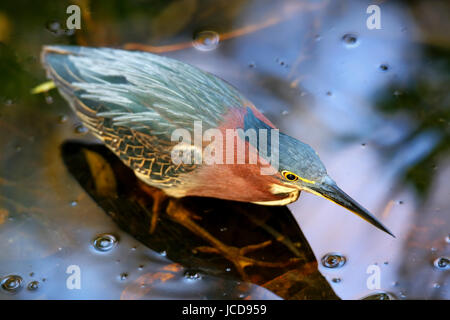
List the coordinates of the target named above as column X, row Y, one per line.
column 329, row 190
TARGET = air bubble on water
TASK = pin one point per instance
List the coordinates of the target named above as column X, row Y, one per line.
column 62, row 118
column 336, row 280
column 192, row 275
column 33, row 285
column 11, row 283
column 380, row 296
column 80, row 129
column 9, row 102
column 442, row 263
column 48, row 99
column 333, row 260
column 397, row 93
column 350, row 40
column 104, row 242
column 206, row 40
column 384, row 67
column 281, row 62
column 55, row 27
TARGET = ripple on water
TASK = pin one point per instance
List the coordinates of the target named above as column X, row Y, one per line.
column 11, row 283
column 333, row 260
column 104, row 242
column 206, row 40
column 350, row 40
column 442, row 263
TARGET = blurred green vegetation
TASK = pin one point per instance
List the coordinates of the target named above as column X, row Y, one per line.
column 425, row 100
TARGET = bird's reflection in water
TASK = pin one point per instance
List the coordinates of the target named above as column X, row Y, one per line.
column 259, row 244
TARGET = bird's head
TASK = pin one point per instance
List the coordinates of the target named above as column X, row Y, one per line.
column 301, row 167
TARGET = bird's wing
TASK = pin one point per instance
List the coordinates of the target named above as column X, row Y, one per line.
column 133, row 101
column 138, row 90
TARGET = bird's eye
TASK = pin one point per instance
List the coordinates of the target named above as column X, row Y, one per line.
column 289, row 175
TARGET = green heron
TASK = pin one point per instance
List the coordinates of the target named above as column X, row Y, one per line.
column 133, row 101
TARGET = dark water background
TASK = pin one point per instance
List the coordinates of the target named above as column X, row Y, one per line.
column 374, row 104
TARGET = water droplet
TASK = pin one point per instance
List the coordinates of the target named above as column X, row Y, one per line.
column 62, row 118
column 48, row 99
column 123, row 276
column 11, row 283
column 436, row 285
column 447, row 238
column 9, row 102
column 33, row 285
column 284, row 113
column 442, row 263
column 281, row 62
column 206, row 40
column 192, row 275
column 55, row 28
column 397, row 93
column 384, row 67
column 400, row 202
column 73, row 203
column 227, row 269
column 80, row 129
column 163, row 253
column 251, row 65
column 333, row 260
column 350, row 40
column 104, row 242
column 141, row 267
column 379, row 296
column 336, row 280
column 363, row 144
column 223, row 229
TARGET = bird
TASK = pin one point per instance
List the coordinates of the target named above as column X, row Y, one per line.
column 133, row 101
